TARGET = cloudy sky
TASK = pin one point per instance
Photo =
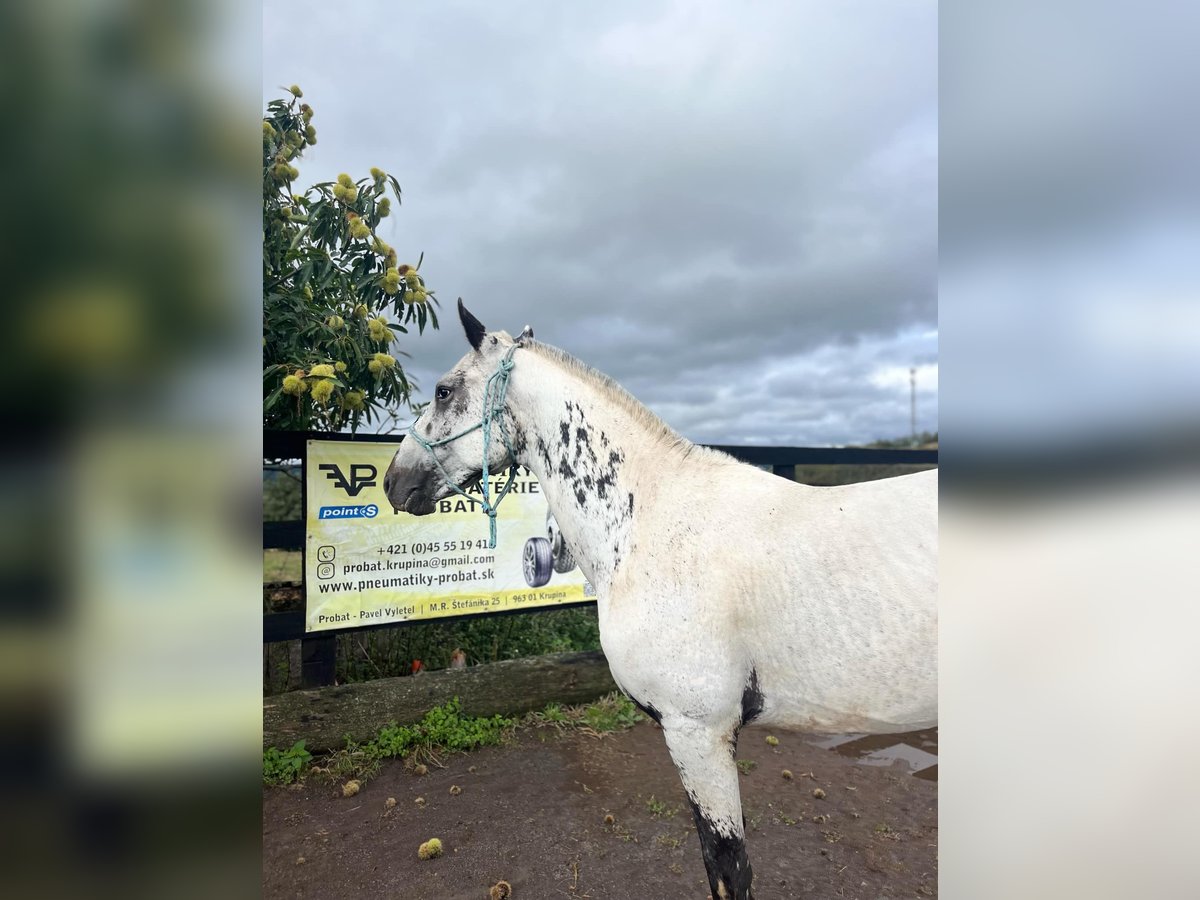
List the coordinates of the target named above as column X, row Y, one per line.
column 730, row 208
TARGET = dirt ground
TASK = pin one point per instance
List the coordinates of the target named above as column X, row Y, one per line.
column 533, row 814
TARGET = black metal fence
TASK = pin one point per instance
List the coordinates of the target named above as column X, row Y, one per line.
column 318, row 651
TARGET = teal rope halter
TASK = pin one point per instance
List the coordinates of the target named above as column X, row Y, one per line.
column 493, row 409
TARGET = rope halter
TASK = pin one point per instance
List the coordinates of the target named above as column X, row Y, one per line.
column 493, row 412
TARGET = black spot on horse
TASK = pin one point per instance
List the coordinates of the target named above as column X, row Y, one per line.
column 581, row 496
column 544, row 453
column 752, row 699
column 584, row 439
column 729, row 873
column 602, row 485
column 631, row 504
column 565, row 429
column 564, row 469
column 518, row 439
column 647, row 708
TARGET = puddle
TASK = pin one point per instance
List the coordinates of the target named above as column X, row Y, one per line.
column 916, row 749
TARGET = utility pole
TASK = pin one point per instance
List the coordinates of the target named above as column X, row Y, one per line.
column 912, row 384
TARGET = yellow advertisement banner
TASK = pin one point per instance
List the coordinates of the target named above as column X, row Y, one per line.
column 367, row 565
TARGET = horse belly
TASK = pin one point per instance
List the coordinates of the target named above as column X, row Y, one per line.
column 880, row 708
column 874, row 673
column 841, row 622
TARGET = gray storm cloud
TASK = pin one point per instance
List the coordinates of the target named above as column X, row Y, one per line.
column 731, row 211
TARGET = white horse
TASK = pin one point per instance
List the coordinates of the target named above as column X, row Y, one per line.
column 725, row 594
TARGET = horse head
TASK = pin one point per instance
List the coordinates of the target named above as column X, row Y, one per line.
column 445, row 447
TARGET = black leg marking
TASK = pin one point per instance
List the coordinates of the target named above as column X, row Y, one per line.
column 752, row 699
column 729, row 873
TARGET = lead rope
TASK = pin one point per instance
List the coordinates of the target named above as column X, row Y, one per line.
column 494, row 393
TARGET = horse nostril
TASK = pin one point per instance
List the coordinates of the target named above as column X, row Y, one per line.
column 387, row 483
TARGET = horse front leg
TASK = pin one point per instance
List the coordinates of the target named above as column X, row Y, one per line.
column 703, row 756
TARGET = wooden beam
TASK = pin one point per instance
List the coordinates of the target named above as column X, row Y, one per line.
column 324, row 716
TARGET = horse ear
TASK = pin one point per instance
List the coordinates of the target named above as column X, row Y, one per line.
column 471, row 325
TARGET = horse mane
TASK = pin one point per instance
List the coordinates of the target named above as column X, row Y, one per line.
column 668, row 438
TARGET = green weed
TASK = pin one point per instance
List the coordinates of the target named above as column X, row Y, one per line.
column 660, row 810
column 284, row 766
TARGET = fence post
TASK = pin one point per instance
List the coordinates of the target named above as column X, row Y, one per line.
column 788, row 472
column 318, row 661
column 318, row 654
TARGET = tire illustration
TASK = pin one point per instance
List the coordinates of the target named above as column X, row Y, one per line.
column 563, row 560
column 537, row 562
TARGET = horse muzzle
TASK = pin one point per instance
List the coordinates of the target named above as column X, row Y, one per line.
column 410, row 490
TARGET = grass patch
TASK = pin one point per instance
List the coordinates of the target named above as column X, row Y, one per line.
column 282, row 565
column 443, row 730
column 612, row 712
column 746, row 766
column 659, row 810
column 552, row 715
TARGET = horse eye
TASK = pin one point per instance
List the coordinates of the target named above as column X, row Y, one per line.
column 442, row 393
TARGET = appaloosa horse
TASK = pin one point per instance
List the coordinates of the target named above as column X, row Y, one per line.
column 725, row 594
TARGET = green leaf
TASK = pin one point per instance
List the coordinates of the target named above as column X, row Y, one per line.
column 296, row 240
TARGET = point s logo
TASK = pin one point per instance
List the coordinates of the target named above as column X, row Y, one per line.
column 369, row 511
column 362, row 476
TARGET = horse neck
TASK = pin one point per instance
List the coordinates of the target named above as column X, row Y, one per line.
column 588, row 451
